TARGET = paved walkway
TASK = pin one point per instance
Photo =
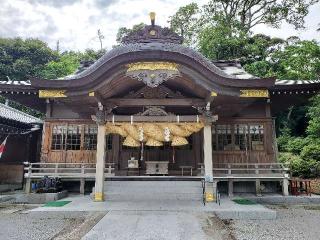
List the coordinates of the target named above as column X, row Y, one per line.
column 148, row 225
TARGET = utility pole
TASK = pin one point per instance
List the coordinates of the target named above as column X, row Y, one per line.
column 58, row 46
column 100, row 36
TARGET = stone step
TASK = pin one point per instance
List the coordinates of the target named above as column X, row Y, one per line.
column 158, row 183
column 153, row 190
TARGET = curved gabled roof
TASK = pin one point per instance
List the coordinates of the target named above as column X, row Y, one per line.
column 155, row 51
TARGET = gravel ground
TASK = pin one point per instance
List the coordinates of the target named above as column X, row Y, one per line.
column 294, row 222
column 17, row 224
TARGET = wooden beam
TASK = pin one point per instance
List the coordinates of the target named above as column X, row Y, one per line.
column 122, row 118
column 134, row 102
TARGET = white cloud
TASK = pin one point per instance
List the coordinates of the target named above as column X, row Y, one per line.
column 75, row 22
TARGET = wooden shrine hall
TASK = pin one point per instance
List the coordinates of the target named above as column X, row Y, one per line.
column 154, row 107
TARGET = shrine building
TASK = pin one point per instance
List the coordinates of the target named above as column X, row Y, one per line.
column 152, row 107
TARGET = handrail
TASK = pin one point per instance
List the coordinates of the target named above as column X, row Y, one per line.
column 258, row 169
column 67, row 170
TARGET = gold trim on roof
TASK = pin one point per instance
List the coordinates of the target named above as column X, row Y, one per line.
column 152, row 66
column 52, row 93
column 254, row 93
column 214, row 94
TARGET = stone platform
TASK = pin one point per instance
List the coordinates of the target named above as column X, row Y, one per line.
column 162, row 196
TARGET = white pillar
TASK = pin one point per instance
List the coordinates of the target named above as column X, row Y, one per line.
column 100, row 165
column 285, row 187
column 207, row 149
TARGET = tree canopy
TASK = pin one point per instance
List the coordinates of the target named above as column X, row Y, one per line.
column 242, row 15
column 20, row 58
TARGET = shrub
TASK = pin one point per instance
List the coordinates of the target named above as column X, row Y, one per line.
column 311, row 152
column 299, row 167
column 296, row 144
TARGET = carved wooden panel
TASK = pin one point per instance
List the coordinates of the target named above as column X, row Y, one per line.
column 160, row 92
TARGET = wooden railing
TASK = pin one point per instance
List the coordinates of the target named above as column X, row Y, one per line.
column 250, row 171
column 65, row 170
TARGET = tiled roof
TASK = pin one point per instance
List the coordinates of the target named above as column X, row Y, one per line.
column 10, row 82
column 234, row 69
column 14, row 114
column 296, row 82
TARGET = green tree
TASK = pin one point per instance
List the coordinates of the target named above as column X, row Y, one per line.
column 222, row 41
column 293, row 60
column 20, row 58
column 68, row 63
column 300, row 60
column 247, row 14
column 313, row 129
column 184, row 22
column 253, row 13
column 123, row 31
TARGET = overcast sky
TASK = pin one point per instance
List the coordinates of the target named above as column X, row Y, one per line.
column 75, row 22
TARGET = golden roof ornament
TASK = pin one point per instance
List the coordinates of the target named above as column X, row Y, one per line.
column 152, row 33
column 152, row 18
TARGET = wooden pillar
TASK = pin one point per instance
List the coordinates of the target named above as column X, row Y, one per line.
column 258, row 185
column 207, row 149
column 230, row 188
column 100, row 165
column 82, row 186
column 258, row 188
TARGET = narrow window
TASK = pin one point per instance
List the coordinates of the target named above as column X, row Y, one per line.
column 241, row 137
column 58, row 137
column 224, row 137
column 73, row 137
column 257, row 137
column 90, row 137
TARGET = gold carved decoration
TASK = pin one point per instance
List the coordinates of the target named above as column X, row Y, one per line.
column 52, row 93
column 152, row 32
column 254, row 93
column 91, row 94
column 152, row 66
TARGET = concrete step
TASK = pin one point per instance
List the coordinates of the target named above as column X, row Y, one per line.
column 153, row 190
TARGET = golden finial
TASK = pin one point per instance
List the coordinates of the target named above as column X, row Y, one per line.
column 152, row 17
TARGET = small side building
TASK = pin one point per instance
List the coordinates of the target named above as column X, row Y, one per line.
column 23, row 144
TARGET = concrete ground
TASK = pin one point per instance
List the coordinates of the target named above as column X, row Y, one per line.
column 158, row 225
column 228, row 209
